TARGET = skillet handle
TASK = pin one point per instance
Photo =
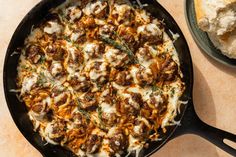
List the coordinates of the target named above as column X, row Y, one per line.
column 192, row 124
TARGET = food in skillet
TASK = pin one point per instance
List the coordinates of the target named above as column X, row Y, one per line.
column 101, row 78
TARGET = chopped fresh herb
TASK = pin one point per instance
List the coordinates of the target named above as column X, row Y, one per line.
column 42, row 59
column 99, row 110
column 41, row 79
column 67, row 38
column 155, row 88
column 24, row 67
column 172, row 92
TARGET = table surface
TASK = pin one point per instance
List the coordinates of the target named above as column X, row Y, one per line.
column 214, row 91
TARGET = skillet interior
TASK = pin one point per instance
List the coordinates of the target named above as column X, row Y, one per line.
column 18, row 109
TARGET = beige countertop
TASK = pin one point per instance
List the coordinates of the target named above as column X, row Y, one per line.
column 214, row 91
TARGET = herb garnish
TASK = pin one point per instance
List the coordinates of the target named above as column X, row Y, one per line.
column 83, row 112
column 120, row 47
column 102, row 124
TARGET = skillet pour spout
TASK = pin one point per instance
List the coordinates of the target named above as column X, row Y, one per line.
column 190, row 123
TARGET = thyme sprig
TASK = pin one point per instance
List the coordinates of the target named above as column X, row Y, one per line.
column 102, row 124
column 120, row 47
column 83, row 112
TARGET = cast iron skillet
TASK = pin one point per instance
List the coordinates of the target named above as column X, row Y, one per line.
column 190, row 123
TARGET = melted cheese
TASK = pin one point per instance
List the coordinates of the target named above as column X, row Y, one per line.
column 28, row 83
column 53, row 28
column 74, row 13
column 94, row 8
column 152, row 29
column 107, row 108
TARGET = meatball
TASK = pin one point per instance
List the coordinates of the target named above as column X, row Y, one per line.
column 108, row 95
column 128, row 35
column 98, row 72
column 88, row 22
column 116, row 58
column 143, row 54
column 79, row 120
column 40, row 106
column 56, row 69
column 92, row 144
column 118, row 141
column 80, row 83
column 107, row 113
column 94, row 49
column 130, row 103
column 76, row 57
column 124, row 78
column 89, row 101
column 55, row 52
column 73, row 13
column 150, row 33
column 140, row 129
column 53, row 27
column 123, row 14
column 107, row 31
column 79, row 34
column 145, row 76
column 142, row 17
column 98, row 9
column 56, row 130
column 169, row 69
column 34, row 54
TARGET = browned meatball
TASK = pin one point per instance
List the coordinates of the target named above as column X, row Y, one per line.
column 79, row 35
column 110, row 119
column 56, row 69
column 131, row 104
column 99, row 72
column 56, row 130
column 145, row 76
column 116, row 57
column 89, row 101
column 88, row 22
column 108, row 95
column 98, row 9
column 122, row 14
column 73, row 13
column 92, row 144
column 106, row 31
column 118, row 141
column 124, row 78
column 150, row 33
column 169, row 69
column 55, row 52
column 143, row 54
column 80, row 83
column 127, row 34
column 94, row 49
column 76, row 57
column 79, row 120
column 140, row 130
column 34, row 54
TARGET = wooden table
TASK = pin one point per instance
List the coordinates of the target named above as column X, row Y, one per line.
column 214, row 91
